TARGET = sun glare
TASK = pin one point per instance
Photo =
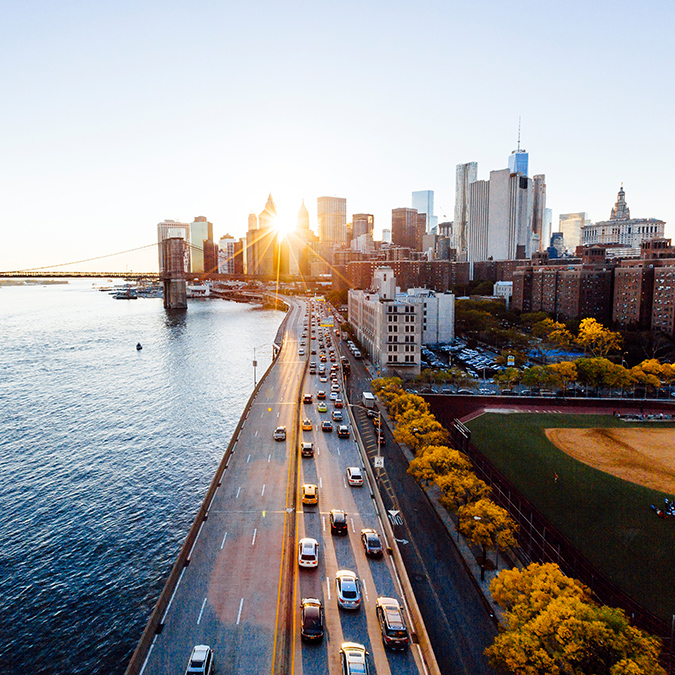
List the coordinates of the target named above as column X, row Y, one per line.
column 283, row 227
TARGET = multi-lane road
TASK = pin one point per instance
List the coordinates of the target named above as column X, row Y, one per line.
column 241, row 591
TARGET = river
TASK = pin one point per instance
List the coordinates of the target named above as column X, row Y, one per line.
column 106, row 452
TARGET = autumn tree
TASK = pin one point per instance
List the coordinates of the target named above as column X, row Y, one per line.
column 488, row 526
column 597, row 340
column 438, row 460
column 459, row 488
column 539, row 376
column 551, row 626
column 508, row 376
column 565, row 372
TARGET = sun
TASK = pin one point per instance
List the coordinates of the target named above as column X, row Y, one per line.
column 283, row 227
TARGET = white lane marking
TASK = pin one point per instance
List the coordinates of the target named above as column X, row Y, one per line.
column 248, row 459
column 263, row 490
column 238, row 491
column 202, row 611
column 338, row 451
column 269, row 458
column 365, row 590
column 328, row 587
column 262, row 415
column 223, row 544
column 281, row 400
column 254, row 534
column 320, row 482
column 241, row 604
column 256, row 432
column 323, row 523
column 353, row 530
column 318, row 452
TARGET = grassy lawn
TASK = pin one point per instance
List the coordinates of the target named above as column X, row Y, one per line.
column 608, row 519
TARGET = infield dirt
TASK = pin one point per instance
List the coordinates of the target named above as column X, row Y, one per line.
column 642, row 456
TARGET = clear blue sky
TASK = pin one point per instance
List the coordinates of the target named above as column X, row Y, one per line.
column 117, row 115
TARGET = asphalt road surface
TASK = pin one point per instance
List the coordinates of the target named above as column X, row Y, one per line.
column 234, row 594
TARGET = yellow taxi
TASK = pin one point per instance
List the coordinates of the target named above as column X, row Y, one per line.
column 306, row 425
column 310, row 494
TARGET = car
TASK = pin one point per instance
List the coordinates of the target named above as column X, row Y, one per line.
column 335, row 387
column 307, row 398
column 201, row 661
column 321, row 395
column 307, row 449
column 323, row 379
column 301, row 352
column 311, row 619
column 334, row 395
column 310, row 494
column 280, row 434
column 338, row 522
column 308, row 552
column 307, row 425
column 353, row 659
column 338, row 403
column 322, row 407
column 379, row 437
column 372, row 544
column 327, row 426
column 313, row 351
column 343, row 431
column 392, row 624
column 337, row 415
column 347, row 589
column 354, row 476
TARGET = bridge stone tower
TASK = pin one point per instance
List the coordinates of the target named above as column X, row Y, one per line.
column 174, row 258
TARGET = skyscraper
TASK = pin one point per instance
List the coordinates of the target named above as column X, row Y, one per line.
column 570, row 225
column 332, row 215
column 171, row 229
column 408, row 228
column 423, row 201
column 540, row 238
column 362, row 223
column 500, row 217
column 201, row 236
column 518, row 159
column 465, row 174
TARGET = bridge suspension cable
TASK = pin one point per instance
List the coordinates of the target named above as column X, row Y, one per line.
column 77, row 262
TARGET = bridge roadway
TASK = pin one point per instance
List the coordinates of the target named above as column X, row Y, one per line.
column 232, row 596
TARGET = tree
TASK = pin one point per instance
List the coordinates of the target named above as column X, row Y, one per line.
column 539, row 376
column 593, row 371
column 593, row 337
column 438, row 460
column 419, row 430
column 552, row 626
column 552, row 336
column 488, row 526
column 508, row 376
column 519, row 358
column 565, row 371
column 459, row 488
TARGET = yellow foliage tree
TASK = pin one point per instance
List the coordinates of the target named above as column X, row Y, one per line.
column 438, row 460
column 487, row 525
column 597, row 339
column 419, row 430
column 551, row 626
column 459, row 488
column 565, row 372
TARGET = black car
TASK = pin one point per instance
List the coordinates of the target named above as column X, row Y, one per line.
column 338, row 522
column 311, row 625
column 371, row 543
column 327, row 426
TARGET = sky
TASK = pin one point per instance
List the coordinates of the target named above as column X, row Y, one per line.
column 117, row 115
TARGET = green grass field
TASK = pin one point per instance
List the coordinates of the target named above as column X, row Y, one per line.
column 608, row 519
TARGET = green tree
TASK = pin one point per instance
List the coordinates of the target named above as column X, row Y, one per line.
column 539, row 376
column 508, row 376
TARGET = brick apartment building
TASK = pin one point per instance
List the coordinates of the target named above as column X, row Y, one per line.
column 437, row 275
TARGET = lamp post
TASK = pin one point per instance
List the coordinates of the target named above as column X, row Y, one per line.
column 482, row 564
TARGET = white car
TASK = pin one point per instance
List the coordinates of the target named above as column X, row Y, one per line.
column 308, row 552
column 353, row 659
column 201, row 661
column 354, row 476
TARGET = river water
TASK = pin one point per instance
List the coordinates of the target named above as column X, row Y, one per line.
column 106, row 453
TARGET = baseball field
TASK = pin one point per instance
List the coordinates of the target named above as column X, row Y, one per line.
column 595, row 478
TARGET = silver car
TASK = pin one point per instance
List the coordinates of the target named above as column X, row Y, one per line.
column 348, row 589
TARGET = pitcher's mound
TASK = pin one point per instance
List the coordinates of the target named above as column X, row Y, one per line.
column 642, row 456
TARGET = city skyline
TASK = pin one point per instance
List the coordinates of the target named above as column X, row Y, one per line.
column 118, row 121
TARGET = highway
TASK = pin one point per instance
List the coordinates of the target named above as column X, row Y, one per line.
column 241, row 591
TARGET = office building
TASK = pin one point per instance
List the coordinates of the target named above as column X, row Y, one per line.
column 332, row 215
column 387, row 327
column 438, row 314
column 362, row 223
column 540, row 225
column 465, row 174
column 226, row 255
column 423, row 201
column 622, row 229
column 571, row 224
column 261, row 242
column 407, row 228
column 172, row 229
column 500, row 217
column 201, row 232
